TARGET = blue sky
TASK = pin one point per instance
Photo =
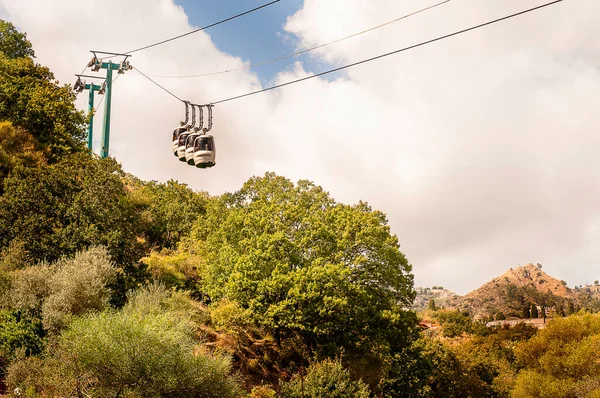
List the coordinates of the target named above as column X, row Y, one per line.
column 256, row 37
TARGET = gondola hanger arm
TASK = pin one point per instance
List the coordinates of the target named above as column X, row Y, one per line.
column 201, row 118
column 191, row 126
column 210, row 118
column 187, row 114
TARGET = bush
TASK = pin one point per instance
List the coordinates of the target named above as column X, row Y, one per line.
column 29, row 288
column 262, row 392
column 144, row 350
column 228, row 315
column 325, row 379
column 78, row 286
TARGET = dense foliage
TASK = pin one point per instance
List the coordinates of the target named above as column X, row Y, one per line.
column 307, row 267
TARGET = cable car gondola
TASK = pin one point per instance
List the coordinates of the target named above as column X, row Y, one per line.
column 204, row 146
column 205, row 151
column 182, row 129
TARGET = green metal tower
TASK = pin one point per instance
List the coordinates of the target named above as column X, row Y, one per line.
column 93, row 88
column 79, row 87
column 110, row 66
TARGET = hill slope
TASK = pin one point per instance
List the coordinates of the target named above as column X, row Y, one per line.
column 515, row 290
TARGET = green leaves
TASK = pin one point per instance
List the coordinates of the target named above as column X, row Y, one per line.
column 146, row 349
column 325, row 379
column 13, row 43
column 31, row 99
column 561, row 358
column 62, row 208
column 306, row 266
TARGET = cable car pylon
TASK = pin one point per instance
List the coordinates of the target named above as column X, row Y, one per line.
column 79, row 87
column 97, row 64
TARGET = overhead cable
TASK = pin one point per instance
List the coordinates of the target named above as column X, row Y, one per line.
column 167, row 91
column 369, row 59
column 203, row 28
column 390, row 53
column 305, row 50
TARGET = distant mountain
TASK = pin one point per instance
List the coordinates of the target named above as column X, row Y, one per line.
column 513, row 292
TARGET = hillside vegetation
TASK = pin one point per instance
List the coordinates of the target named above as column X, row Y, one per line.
column 517, row 290
column 115, row 287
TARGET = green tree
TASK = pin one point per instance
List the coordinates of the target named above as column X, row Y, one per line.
column 500, row 316
column 429, row 368
column 431, row 305
column 328, row 378
column 543, row 313
column 455, row 323
column 307, row 267
column 19, row 333
column 561, row 359
column 58, row 292
column 534, row 311
column 68, row 206
column 570, row 308
column 168, row 210
column 14, row 44
column 33, row 101
column 18, row 148
column 526, row 313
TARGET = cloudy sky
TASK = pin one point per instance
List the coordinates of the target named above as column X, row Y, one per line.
column 482, row 149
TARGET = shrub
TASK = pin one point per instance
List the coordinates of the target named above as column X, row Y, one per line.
column 228, row 315
column 78, row 286
column 262, row 392
column 144, row 350
column 29, row 288
column 18, row 332
column 325, row 379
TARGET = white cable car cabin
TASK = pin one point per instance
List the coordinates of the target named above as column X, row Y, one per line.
column 176, row 134
column 181, row 145
column 205, row 152
column 189, row 148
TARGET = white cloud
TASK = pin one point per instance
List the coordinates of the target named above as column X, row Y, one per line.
column 482, row 149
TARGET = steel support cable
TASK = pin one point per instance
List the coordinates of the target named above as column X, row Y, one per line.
column 167, row 91
column 203, row 28
column 390, row 53
column 369, row 59
column 305, row 50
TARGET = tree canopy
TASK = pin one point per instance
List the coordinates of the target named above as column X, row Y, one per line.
column 41, row 111
column 305, row 265
column 14, row 44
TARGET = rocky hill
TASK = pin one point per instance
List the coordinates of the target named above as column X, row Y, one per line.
column 522, row 287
